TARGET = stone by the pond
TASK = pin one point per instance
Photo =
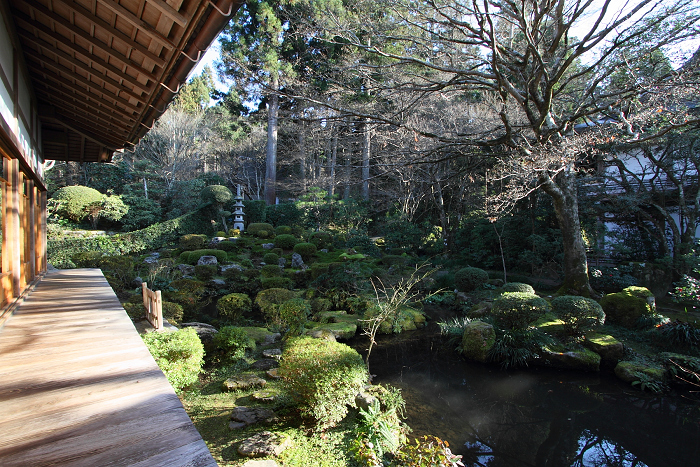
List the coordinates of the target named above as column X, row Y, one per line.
column 477, row 340
column 344, row 330
column 265, row 364
column 324, row 334
column 272, row 353
column 263, row 396
column 205, row 331
column 363, row 400
column 273, row 373
column 264, row 444
column 297, row 261
column 242, row 382
column 581, row 360
column 207, row 260
column 258, row 463
column 244, row 416
column 609, row 348
column 629, row 372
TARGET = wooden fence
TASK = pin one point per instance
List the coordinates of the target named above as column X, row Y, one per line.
column 154, row 306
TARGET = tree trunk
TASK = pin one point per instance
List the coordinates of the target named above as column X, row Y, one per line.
column 366, row 149
column 271, row 152
column 331, row 169
column 347, row 176
column 302, row 157
column 563, row 193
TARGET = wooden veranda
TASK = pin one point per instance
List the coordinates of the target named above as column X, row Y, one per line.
column 79, row 388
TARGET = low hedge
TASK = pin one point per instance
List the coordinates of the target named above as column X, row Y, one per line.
column 179, row 354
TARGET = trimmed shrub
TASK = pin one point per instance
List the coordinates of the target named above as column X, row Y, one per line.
column 283, row 230
column 518, row 287
column 323, row 377
column 627, row 307
column 516, row 310
column 216, row 194
column 468, row 279
column 71, row 202
column 290, row 316
column 277, row 282
column 87, row 259
column 204, row 272
column 233, row 341
column 271, row 259
column 173, row 312
column 191, row 257
column 233, row 306
column 193, row 242
column 268, row 300
column 580, row 314
column 227, row 246
column 321, row 240
column 260, row 229
column 271, row 270
column 286, row 241
column 179, row 354
column 255, row 210
column 306, row 250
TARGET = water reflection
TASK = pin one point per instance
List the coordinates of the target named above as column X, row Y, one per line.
column 536, row 417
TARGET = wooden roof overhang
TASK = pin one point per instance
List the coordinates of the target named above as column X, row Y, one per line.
column 104, row 70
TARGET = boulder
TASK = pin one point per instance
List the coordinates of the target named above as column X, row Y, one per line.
column 297, row 261
column 364, row 400
column 136, row 282
column 217, row 283
column 205, row 331
column 264, row 444
column 321, row 333
column 265, row 364
column 581, row 360
column 243, row 382
column 272, row 374
column 186, row 269
column 216, row 240
column 629, row 372
column 207, row 260
column 477, row 340
column 626, row 307
column 273, row 353
column 263, row 396
column 244, row 416
column 235, row 266
column 609, row 348
column 281, row 262
column 268, row 246
column 151, row 260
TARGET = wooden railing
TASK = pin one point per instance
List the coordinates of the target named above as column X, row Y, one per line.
column 154, row 306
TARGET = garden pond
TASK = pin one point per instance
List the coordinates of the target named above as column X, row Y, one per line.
column 536, row 416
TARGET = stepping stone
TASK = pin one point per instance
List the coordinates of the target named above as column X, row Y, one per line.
column 264, row 444
column 244, row 416
column 273, row 373
column 265, row 364
column 266, row 463
column 263, row 396
column 273, row 353
column 242, row 382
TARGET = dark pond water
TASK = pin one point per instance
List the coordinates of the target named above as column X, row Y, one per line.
column 534, row 417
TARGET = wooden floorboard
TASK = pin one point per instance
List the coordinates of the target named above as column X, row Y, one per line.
column 78, row 387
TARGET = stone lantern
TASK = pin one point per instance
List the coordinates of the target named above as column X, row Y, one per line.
column 238, row 213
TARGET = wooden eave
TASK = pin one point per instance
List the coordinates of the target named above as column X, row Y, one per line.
column 104, row 70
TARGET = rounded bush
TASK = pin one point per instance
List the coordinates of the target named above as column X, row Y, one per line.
column 205, row 272
column 283, row 230
column 306, row 250
column 579, row 314
column 518, row 287
column 276, row 283
column 321, row 240
column 173, row 312
column 71, row 201
column 516, row 310
column 233, row 341
column 233, row 306
column 286, row 241
column 193, row 241
column 271, row 259
column 271, row 298
column 323, row 377
column 291, row 316
column 227, row 246
column 271, row 270
column 179, row 354
column 216, row 194
column 260, row 229
column 468, row 279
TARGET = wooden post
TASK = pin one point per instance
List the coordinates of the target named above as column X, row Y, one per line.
column 14, row 229
column 153, row 304
column 31, row 217
column 158, row 312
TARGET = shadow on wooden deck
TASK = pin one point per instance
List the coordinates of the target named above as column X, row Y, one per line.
column 79, row 388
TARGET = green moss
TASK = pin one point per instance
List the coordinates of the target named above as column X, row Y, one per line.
column 627, row 307
column 550, row 323
column 602, row 339
column 340, row 330
column 258, row 334
column 629, row 371
column 477, row 340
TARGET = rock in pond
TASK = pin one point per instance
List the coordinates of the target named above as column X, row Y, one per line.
column 477, row 340
column 273, row 353
column 581, row 360
column 243, row 382
column 629, row 372
column 609, row 348
column 264, row 444
column 244, row 416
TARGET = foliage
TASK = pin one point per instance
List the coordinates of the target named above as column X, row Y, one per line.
column 306, row 250
column 71, row 202
column 260, row 229
column 180, row 354
column 517, row 347
column 119, row 270
column 378, row 432
column 271, row 259
column 193, row 242
column 286, row 241
column 516, row 310
column 321, row 240
column 646, row 382
column 428, row 451
column 216, row 194
column 269, row 299
column 111, row 208
column 677, row 334
column 360, row 241
column 87, row 259
column 518, row 287
column 233, row 341
column 205, row 272
column 142, row 212
column 323, row 377
column 580, row 314
column 403, row 236
column 255, row 211
column 276, row 282
column 232, row 306
column 612, row 279
column 283, row 214
column 173, row 312
column 192, row 257
column 469, row 278
column 227, row 246
column 453, row 329
column 687, row 290
column 289, row 317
